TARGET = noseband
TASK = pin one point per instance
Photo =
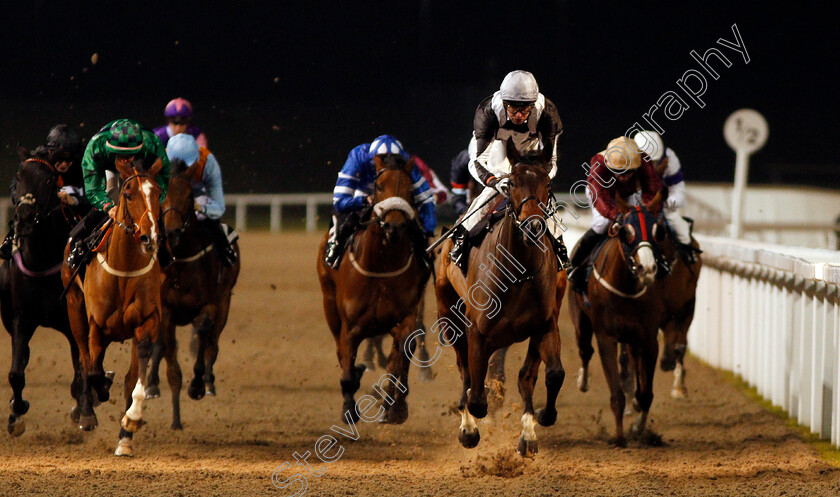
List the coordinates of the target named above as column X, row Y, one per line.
column 131, row 227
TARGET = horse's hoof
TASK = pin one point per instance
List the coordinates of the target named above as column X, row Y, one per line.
column 17, row 425
column 478, row 409
column 176, row 425
column 210, row 389
column 667, row 365
column 546, row 417
column 124, row 448
column 152, row 391
column 469, row 440
column 75, row 414
column 425, row 374
column 527, row 448
column 349, row 407
column 131, row 425
column 397, row 414
column 19, row 409
column 636, row 406
column 619, row 442
column 88, row 423
column 197, row 389
column 680, row 393
column 583, row 380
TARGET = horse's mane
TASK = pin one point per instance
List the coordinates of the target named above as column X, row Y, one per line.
column 42, row 152
column 532, row 157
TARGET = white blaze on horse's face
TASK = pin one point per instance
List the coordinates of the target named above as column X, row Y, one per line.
column 147, row 192
column 646, row 263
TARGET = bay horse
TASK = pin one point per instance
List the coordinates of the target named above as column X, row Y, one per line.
column 120, row 299
column 678, row 292
column 623, row 304
column 197, row 291
column 30, row 284
column 377, row 290
column 510, row 294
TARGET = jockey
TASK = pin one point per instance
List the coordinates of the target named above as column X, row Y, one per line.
column 439, row 190
column 63, row 150
column 352, row 195
column 119, row 141
column 207, row 189
column 667, row 165
column 459, row 179
column 178, row 113
column 619, row 170
column 518, row 111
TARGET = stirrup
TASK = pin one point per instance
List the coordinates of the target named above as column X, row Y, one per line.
column 333, row 254
column 577, row 276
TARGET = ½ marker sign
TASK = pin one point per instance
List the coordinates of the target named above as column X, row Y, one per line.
column 745, row 131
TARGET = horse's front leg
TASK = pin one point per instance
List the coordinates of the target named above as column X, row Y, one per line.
column 397, row 412
column 76, row 386
column 21, row 334
column 528, row 446
column 203, row 327
column 478, row 359
column 425, row 373
column 212, row 352
column 608, row 350
column 144, row 338
column 554, row 374
column 645, row 364
column 351, row 374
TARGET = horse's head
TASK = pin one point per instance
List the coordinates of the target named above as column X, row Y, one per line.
column 35, row 191
column 392, row 195
column 178, row 208
column 139, row 208
column 530, row 188
column 640, row 234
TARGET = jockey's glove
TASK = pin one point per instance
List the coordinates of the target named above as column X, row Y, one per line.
column 500, row 185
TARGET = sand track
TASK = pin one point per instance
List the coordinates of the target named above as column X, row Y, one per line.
column 277, row 380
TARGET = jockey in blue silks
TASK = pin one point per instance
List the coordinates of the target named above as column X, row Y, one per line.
column 352, row 194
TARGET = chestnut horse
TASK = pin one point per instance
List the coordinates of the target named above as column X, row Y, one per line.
column 510, row 294
column 30, row 284
column 197, row 291
column 623, row 304
column 377, row 290
column 120, row 299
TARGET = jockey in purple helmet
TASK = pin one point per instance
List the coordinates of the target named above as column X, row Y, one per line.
column 351, row 197
column 178, row 113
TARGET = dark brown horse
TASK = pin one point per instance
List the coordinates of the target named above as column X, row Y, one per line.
column 120, row 299
column 197, row 291
column 510, row 294
column 376, row 290
column 623, row 304
column 678, row 292
column 30, row 284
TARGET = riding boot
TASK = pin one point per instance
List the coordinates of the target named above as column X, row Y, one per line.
column 78, row 254
column 459, row 254
column 577, row 273
column 82, row 240
column 688, row 253
column 8, row 243
column 560, row 252
column 345, row 226
column 223, row 247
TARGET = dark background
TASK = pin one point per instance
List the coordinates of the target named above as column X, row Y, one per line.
column 284, row 90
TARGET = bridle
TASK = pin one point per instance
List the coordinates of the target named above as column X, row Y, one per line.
column 131, row 227
column 186, row 219
column 45, row 211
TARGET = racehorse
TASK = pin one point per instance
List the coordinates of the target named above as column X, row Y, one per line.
column 678, row 292
column 30, row 284
column 197, row 291
column 623, row 303
column 120, row 299
column 377, row 291
column 510, row 294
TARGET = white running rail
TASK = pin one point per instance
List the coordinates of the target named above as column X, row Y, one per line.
column 771, row 314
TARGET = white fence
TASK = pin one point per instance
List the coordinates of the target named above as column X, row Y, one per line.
column 771, row 315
